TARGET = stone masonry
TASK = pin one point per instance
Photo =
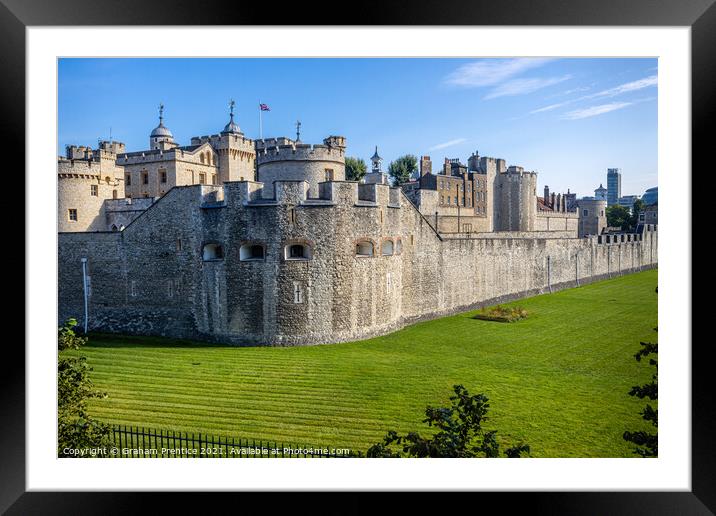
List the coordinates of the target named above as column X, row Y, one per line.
column 232, row 264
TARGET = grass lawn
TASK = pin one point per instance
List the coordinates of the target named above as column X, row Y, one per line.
column 557, row 380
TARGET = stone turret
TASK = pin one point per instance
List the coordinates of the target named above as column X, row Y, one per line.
column 517, row 190
column 281, row 159
column 376, row 162
column 592, row 216
column 161, row 137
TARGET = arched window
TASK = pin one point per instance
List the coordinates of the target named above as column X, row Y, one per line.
column 387, row 248
column 364, row 248
column 297, row 251
column 201, row 157
column 212, row 252
column 251, row 252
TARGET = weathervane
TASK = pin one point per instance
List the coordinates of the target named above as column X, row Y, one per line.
column 298, row 130
column 231, row 107
column 161, row 112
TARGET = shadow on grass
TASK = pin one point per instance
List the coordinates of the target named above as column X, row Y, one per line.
column 115, row 340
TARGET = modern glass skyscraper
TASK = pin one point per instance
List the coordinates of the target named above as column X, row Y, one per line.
column 614, row 185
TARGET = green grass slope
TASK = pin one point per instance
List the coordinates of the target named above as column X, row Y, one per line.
column 557, row 380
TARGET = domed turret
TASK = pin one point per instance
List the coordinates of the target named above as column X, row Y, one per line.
column 160, row 134
column 232, row 127
column 376, row 160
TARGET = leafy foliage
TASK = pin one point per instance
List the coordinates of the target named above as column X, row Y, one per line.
column 460, row 433
column 647, row 444
column 618, row 217
column 75, row 428
column 355, row 169
column 637, row 208
column 67, row 338
column 402, row 168
column 502, row 313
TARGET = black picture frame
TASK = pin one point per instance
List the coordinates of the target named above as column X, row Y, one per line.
column 700, row 15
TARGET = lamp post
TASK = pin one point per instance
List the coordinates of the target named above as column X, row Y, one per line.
column 84, row 289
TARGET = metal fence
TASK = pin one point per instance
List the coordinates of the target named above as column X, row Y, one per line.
column 140, row 442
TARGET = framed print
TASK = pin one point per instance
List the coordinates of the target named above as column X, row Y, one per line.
column 435, row 237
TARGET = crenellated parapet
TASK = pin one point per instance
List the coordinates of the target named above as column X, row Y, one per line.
column 286, row 159
column 349, row 194
column 284, row 149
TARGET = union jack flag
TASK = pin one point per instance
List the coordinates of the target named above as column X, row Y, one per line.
column 264, row 107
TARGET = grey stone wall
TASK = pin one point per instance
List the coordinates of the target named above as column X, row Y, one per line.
column 152, row 278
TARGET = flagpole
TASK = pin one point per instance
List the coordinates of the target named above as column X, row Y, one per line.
column 261, row 123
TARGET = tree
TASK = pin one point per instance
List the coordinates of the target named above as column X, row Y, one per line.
column 355, row 169
column 75, row 428
column 647, row 444
column 402, row 168
column 637, row 208
column 618, row 217
column 460, row 433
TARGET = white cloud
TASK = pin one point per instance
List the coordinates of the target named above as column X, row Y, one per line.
column 551, row 107
column 595, row 110
column 489, row 72
column 627, row 87
column 523, row 86
column 575, row 90
column 447, row 144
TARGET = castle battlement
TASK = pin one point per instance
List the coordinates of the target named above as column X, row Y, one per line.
column 297, row 192
column 91, row 167
column 516, row 171
column 222, row 140
column 299, row 152
column 282, row 148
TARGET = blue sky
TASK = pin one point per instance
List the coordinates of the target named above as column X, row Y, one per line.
column 567, row 119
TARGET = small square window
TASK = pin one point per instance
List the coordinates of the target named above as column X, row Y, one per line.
column 163, row 176
column 145, row 178
column 94, row 190
column 72, row 214
column 128, row 180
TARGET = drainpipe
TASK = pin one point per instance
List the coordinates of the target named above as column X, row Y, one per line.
column 549, row 274
column 84, row 289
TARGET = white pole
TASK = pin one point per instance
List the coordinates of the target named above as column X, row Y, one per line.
column 84, row 288
column 261, row 124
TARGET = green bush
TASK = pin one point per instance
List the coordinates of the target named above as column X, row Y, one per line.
column 75, row 428
column 67, row 338
column 460, row 433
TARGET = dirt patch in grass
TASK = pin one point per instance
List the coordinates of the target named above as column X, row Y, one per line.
column 501, row 313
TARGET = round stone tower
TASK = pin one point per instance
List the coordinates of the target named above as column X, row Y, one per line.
column 290, row 160
column 592, row 216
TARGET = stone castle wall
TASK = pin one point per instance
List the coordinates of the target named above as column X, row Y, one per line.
column 152, row 278
column 180, row 167
column 281, row 159
column 557, row 221
column 517, row 201
column 83, row 186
